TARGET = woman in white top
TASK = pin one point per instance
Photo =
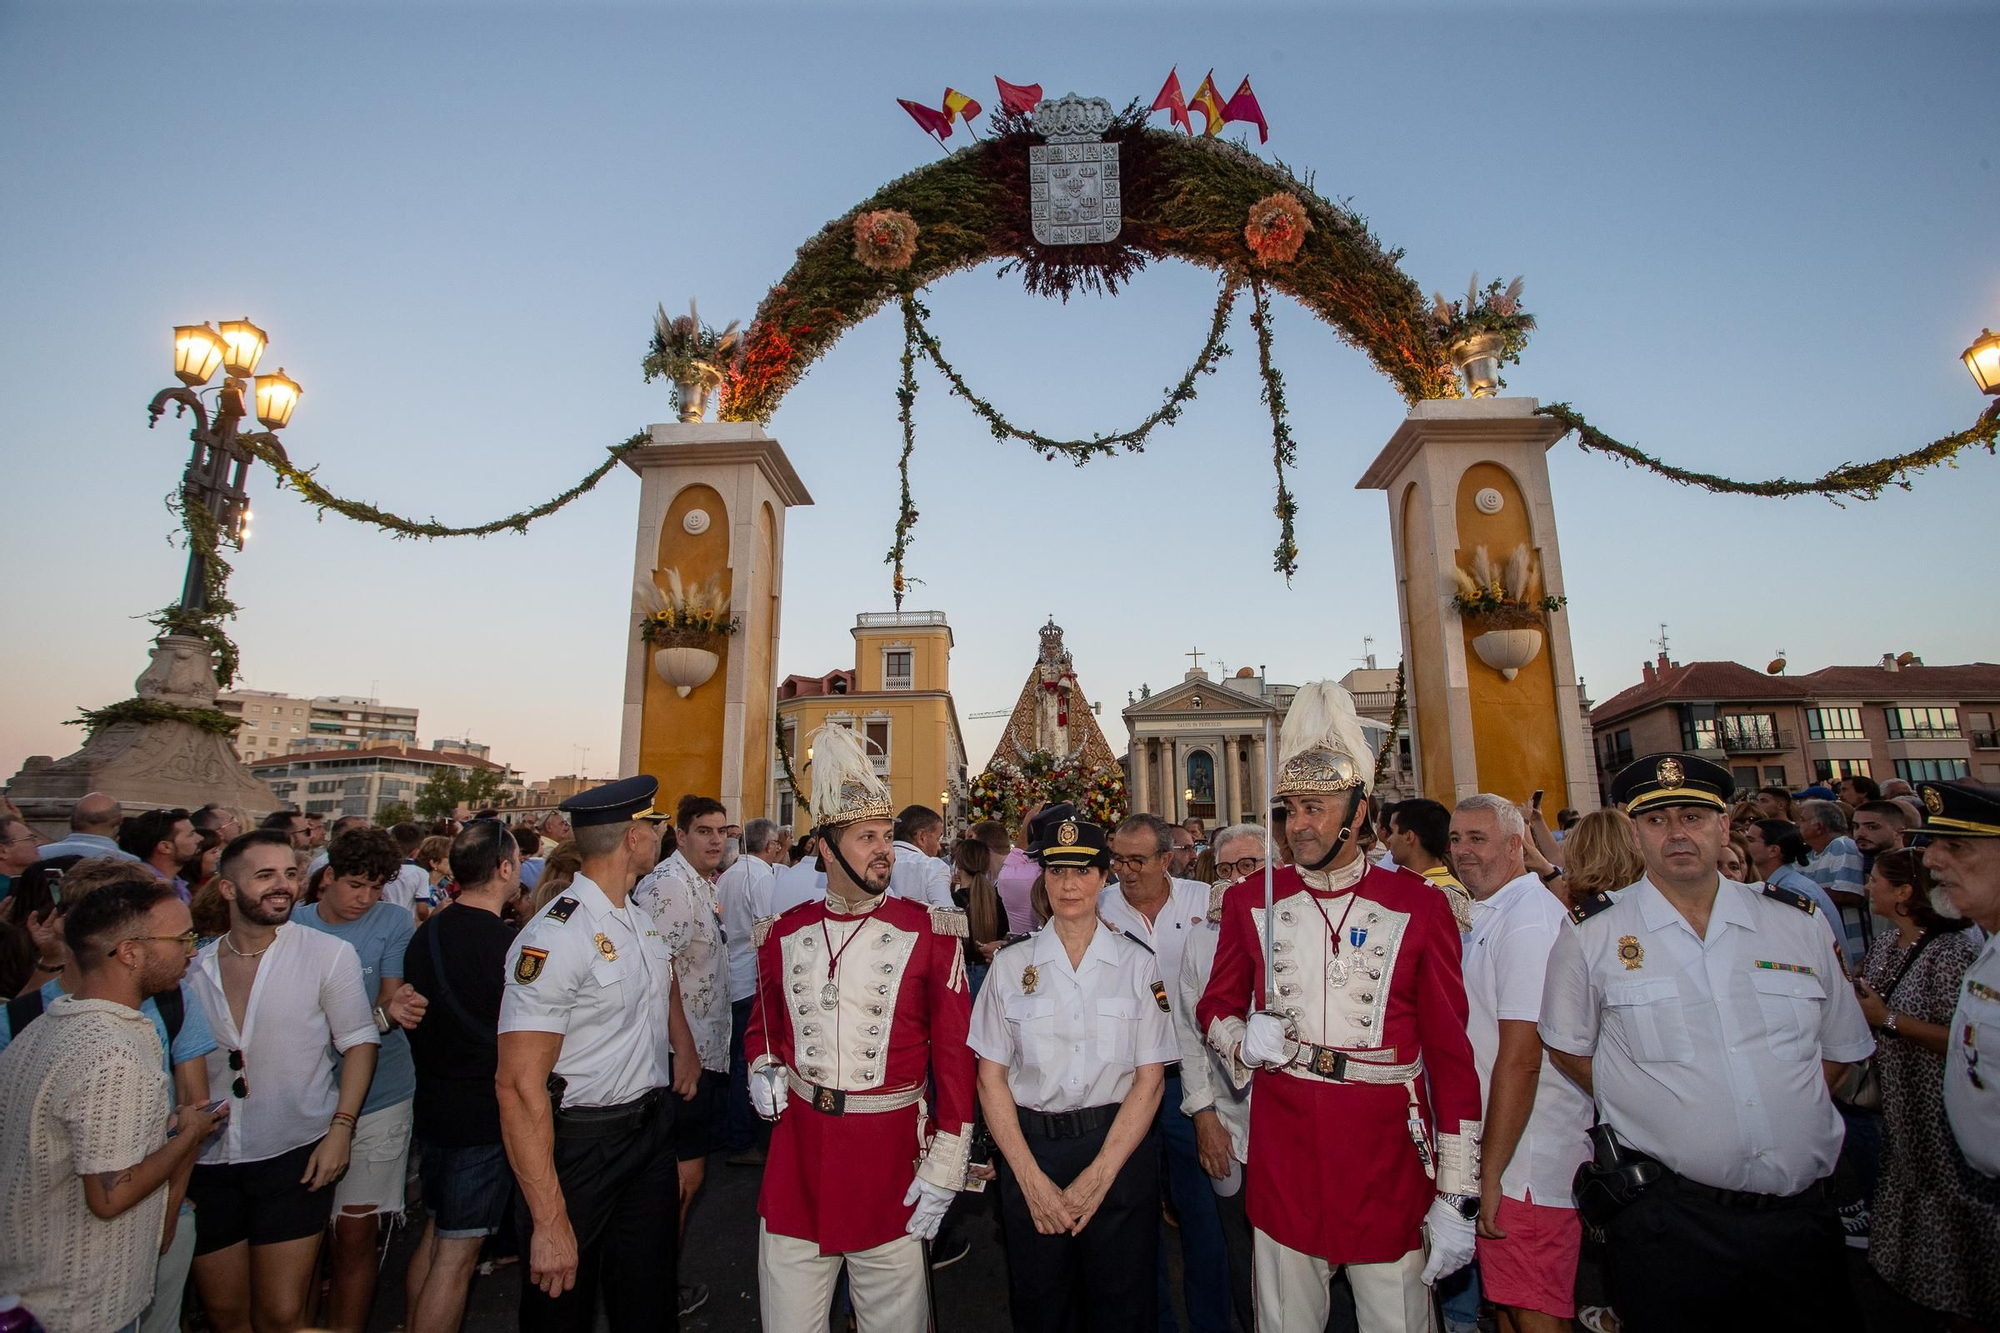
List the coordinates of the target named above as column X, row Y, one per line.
column 1073, row 1037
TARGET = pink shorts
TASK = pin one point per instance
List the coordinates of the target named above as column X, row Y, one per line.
column 1534, row 1268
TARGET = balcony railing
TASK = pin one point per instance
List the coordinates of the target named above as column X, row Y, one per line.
column 1755, row 740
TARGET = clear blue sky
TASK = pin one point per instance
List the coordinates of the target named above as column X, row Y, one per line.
column 1756, row 243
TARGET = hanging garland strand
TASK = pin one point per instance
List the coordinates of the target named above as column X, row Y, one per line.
column 798, row 793
column 1082, row 451
column 1395, row 725
column 1284, row 451
column 302, row 480
column 906, row 397
column 1852, row 481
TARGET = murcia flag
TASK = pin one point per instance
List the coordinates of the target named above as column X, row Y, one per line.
column 1171, row 101
column 1243, row 106
column 1021, row 97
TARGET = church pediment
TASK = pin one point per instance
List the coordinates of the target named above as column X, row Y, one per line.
column 1217, row 699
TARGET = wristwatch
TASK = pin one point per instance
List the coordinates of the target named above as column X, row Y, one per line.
column 1889, row 1024
column 1466, row 1205
column 382, row 1023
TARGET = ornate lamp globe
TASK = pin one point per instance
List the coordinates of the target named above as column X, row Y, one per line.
column 1983, row 360
column 242, row 347
column 197, row 352
column 277, row 395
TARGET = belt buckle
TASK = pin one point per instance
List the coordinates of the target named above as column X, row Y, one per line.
column 1329, row 1064
column 1063, row 1125
column 829, row 1101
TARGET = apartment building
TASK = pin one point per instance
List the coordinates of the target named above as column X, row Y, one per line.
column 276, row 724
column 361, row 781
column 1896, row 719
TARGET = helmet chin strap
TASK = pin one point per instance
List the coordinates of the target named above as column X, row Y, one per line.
column 1354, row 798
column 830, row 836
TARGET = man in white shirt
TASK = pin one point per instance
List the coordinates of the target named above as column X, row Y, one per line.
column 292, row 1022
column 1162, row 913
column 918, row 874
column 1536, row 1120
column 745, row 891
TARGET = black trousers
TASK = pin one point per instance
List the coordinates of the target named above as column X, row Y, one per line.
column 621, row 1186
column 1102, row 1281
column 1677, row 1261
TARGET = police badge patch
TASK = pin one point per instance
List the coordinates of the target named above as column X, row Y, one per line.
column 529, row 965
column 1631, row 952
column 607, row 948
column 1670, row 773
column 1031, row 977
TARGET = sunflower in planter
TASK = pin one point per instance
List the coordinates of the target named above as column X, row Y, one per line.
column 683, row 624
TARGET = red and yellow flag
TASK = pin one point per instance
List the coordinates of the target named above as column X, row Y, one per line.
column 957, row 106
column 1171, row 101
column 1209, row 102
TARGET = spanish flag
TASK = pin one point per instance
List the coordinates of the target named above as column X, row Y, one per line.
column 957, row 106
column 1209, row 102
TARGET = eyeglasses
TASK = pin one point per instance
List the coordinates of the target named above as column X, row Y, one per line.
column 1136, row 861
column 1243, row 865
column 240, row 1085
column 187, row 939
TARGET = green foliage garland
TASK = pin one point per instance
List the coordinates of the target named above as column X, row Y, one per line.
column 799, row 794
column 145, row 712
column 1178, row 395
column 1284, row 452
column 906, row 398
column 1852, row 481
column 204, row 538
column 1396, row 715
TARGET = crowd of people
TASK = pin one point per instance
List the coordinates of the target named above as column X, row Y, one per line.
column 1695, row 1060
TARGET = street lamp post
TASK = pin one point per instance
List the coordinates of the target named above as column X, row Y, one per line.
column 220, row 463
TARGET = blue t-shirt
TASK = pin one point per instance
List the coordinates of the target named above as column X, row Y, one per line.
column 380, row 936
column 194, row 1040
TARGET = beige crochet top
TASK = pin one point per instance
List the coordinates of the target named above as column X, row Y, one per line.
column 83, row 1090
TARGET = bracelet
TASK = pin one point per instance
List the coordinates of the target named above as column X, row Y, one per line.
column 343, row 1118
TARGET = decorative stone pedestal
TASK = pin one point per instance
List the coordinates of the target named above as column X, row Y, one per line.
column 712, row 502
column 150, row 765
column 1461, row 474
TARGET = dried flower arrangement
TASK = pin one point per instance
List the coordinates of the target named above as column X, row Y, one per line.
column 1503, row 598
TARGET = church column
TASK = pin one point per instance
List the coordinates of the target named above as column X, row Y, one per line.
column 1142, row 773
column 1177, row 783
column 1263, row 805
column 1225, row 786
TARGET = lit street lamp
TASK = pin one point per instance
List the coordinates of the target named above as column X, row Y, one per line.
column 1983, row 360
column 219, row 464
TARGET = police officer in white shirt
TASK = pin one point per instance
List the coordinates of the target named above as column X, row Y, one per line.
column 1709, row 1019
column 1162, row 913
column 918, row 874
column 1963, row 857
column 591, row 1033
column 1072, row 1030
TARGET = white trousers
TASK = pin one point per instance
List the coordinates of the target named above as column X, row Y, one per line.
column 888, row 1284
column 1291, row 1291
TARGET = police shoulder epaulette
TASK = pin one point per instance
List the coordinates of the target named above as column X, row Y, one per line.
column 1011, row 941
column 949, row 921
column 1589, row 906
column 1790, row 898
column 1216, row 893
column 1136, row 940
column 760, row 930
column 562, row 909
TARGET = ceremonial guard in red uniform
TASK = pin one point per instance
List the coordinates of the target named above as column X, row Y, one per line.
column 1364, row 1126
column 857, row 1048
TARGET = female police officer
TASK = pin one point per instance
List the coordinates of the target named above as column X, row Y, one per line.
column 1073, row 1038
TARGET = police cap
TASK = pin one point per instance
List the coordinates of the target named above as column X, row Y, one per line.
column 1960, row 810
column 1662, row 780
column 617, row 802
column 1070, row 841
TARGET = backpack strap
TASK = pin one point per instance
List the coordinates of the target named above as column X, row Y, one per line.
column 22, row 1010
column 173, row 1012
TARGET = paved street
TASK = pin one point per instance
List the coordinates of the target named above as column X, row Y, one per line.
column 722, row 1252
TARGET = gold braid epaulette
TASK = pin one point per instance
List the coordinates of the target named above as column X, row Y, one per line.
column 1216, row 893
column 760, row 930
column 949, row 921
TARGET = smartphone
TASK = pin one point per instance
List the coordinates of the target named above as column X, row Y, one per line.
column 1536, row 800
column 216, row 1105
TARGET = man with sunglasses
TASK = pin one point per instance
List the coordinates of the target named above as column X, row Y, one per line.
column 297, row 1044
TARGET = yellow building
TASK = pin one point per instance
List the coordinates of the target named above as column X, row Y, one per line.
column 898, row 695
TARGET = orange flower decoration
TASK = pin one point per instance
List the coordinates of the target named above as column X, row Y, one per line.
column 1277, row 228
column 885, row 240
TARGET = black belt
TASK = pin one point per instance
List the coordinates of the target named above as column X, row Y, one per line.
column 1066, row 1124
column 603, row 1122
column 1748, row 1201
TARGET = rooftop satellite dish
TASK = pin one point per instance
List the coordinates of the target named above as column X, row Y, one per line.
column 1775, row 667
column 1904, row 659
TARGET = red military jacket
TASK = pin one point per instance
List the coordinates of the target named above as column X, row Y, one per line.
column 895, row 1016
column 1333, row 1169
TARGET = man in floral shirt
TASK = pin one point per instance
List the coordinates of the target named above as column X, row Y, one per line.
column 680, row 893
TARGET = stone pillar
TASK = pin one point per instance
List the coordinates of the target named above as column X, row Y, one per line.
column 1142, row 768
column 1225, row 785
column 712, row 502
column 1263, row 806
column 1459, row 474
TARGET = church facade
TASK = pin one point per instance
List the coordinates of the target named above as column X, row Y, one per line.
column 1200, row 748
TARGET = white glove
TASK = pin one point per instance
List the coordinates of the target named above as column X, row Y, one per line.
column 1451, row 1241
column 768, row 1093
column 931, row 1201
column 1265, row 1042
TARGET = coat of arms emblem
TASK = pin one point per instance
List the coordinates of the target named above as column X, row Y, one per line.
column 1073, row 186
